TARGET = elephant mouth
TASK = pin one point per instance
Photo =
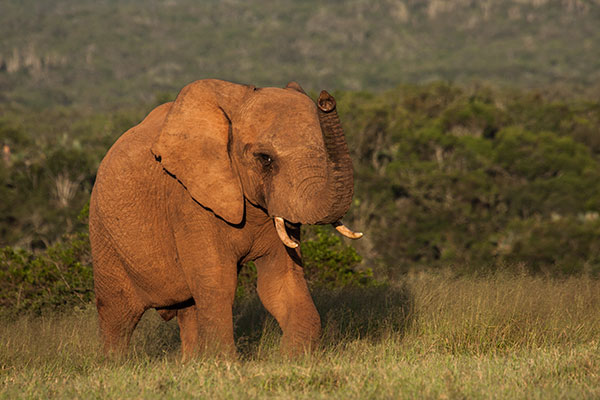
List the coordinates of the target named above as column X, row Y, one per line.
column 289, row 242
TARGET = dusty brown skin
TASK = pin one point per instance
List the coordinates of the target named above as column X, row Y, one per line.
column 191, row 193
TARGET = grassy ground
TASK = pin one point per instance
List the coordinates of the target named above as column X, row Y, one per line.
column 431, row 336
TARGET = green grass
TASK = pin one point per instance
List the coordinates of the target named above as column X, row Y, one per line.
column 432, row 336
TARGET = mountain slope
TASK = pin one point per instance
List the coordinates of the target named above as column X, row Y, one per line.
column 109, row 53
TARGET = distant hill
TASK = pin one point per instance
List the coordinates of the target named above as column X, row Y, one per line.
column 105, row 54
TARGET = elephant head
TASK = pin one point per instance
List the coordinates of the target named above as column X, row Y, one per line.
column 225, row 142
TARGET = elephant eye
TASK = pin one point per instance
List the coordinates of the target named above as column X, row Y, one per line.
column 265, row 159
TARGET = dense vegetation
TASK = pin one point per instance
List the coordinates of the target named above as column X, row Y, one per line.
column 103, row 54
column 476, row 178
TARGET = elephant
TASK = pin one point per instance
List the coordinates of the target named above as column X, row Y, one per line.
column 223, row 175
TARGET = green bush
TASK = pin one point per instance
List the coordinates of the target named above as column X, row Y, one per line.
column 57, row 278
column 330, row 263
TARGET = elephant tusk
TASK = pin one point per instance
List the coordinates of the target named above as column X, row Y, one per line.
column 344, row 230
column 280, row 227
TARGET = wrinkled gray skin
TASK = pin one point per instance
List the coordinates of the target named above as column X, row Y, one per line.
column 188, row 195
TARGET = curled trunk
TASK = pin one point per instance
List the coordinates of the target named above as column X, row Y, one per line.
column 334, row 199
column 340, row 187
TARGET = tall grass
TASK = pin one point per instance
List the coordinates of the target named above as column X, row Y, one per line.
column 430, row 335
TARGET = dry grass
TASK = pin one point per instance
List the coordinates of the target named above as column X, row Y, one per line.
column 431, row 336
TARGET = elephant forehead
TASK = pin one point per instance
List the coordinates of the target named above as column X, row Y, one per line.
column 279, row 104
column 279, row 114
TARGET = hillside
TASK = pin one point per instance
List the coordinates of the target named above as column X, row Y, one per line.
column 468, row 173
column 105, row 54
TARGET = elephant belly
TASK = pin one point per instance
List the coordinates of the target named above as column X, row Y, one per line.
column 154, row 270
column 145, row 260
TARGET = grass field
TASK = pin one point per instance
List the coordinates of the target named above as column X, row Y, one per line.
column 429, row 336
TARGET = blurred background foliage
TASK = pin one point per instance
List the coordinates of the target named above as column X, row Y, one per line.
column 474, row 126
column 109, row 53
column 475, row 178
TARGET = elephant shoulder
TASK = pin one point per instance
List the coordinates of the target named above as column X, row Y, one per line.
column 149, row 128
column 136, row 141
column 155, row 119
column 129, row 161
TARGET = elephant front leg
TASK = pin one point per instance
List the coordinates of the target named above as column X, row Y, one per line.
column 213, row 289
column 188, row 331
column 283, row 291
column 215, row 323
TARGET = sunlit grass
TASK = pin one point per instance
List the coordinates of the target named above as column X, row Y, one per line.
column 431, row 335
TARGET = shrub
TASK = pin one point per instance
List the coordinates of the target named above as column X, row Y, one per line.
column 329, row 262
column 57, row 278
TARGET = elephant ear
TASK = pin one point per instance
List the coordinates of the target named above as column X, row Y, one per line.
column 193, row 146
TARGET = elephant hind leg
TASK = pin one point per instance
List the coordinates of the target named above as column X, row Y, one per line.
column 188, row 325
column 188, row 331
column 117, row 320
column 119, row 306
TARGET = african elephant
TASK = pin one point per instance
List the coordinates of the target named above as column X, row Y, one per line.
column 223, row 175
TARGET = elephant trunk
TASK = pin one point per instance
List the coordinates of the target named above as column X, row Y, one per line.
column 334, row 200
column 340, row 187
